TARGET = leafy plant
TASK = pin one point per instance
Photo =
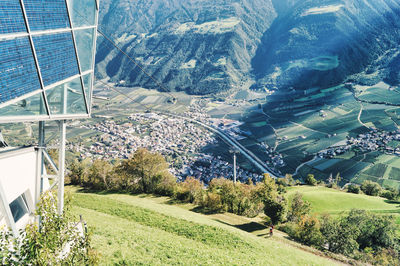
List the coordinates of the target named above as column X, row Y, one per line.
column 58, row 241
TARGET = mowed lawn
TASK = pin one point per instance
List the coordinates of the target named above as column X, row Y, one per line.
column 143, row 230
column 332, row 201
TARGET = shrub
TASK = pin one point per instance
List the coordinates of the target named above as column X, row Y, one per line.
column 289, row 228
column 310, row 180
column 353, row 189
column 77, row 173
column 286, row 181
column 98, row 176
column 308, row 231
column 190, row 190
column 47, row 246
column 212, row 202
column 339, row 237
column 388, row 194
column 166, row 186
column 371, row 188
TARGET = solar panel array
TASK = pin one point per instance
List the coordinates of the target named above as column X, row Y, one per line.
column 46, row 44
column 18, row 74
column 46, row 14
column 11, row 18
column 56, row 56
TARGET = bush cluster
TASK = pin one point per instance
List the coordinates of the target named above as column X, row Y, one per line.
column 223, row 195
column 359, row 234
column 373, row 189
column 145, row 172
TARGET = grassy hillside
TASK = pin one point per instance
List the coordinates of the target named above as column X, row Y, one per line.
column 326, row 200
column 146, row 230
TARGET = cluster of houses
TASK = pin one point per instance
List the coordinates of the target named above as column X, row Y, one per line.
column 181, row 142
column 375, row 140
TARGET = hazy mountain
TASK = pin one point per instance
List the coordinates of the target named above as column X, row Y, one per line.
column 207, row 46
column 321, row 43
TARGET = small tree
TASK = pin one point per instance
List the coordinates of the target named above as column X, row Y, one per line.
column 310, row 180
column 275, row 208
column 298, row 208
column 339, row 237
column 308, row 231
column 371, row 188
column 143, row 172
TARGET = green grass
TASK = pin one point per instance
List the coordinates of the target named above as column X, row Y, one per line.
column 135, row 230
column 326, row 200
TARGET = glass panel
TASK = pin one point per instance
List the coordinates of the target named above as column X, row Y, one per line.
column 18, row 208
column 84, row 43
column 31, row 106
column 74, row 102
column 56, row 56
column 83, row 12
column 11, row 18
column 18, row 74
column 87, row 82
column 45, row 15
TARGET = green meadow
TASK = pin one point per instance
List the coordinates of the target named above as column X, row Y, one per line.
column 143, row 230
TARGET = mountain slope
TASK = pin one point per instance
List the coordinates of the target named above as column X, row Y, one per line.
column 209, row 46
column 136, row 230
column 321, row 43
column 195, row 46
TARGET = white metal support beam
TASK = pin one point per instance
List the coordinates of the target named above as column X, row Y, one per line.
column 39, row 166
column 8, row 214
column 61, row 166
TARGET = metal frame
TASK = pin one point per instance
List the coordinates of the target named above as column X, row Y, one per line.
column 43, row 88
column 35, row 57
column 42, row 155
column 77, row 57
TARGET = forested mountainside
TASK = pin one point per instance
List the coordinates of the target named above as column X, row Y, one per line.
column 203, row 47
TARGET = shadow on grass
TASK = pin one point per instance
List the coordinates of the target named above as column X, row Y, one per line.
column 203, row 210
column 392, row 202
column 109, row 192
column 248, row 227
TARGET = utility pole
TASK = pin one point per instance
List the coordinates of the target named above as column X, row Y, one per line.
column 234, row 167
column 234, row 151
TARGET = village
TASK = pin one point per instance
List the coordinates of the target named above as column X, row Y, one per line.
column 387, row 142
column 181, row 142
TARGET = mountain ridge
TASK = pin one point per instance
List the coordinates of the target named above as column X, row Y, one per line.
column 203, row 48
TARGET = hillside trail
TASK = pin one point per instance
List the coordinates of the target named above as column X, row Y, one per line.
column 256, row 227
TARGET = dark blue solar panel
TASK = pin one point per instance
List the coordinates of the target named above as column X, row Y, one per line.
column 18, row 74
column 11, row 18
column 56, row 56
column 46, row 14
